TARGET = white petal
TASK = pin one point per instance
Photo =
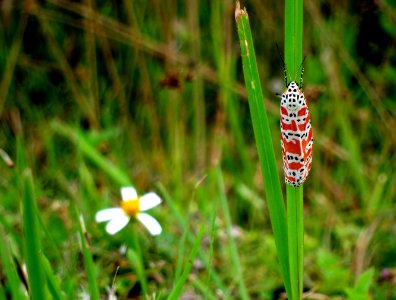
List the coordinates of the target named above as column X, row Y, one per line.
column 148, row 201
column 150, row 223
column 108, row 214
column 128, row 193
column 117, row 224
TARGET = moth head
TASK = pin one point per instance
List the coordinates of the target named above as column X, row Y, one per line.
column 292, row 98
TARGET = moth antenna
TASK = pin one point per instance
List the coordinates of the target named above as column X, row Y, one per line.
column 301, row 78
column 302, row 73
column 284, row 64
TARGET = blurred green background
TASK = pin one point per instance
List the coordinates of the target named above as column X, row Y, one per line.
column 156, row 89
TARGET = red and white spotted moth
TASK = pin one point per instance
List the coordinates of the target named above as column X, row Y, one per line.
column 296, row 133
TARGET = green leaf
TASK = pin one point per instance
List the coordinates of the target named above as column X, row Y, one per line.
column 335, row 277
column 54, row 286
column 178, row 287
column 295, row 213
column 264, row 143
column 32, row 242
column 361, row 289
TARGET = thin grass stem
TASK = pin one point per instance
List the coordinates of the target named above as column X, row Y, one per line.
column 243, row 293
column 88, row 262
column 181, row 219
column 295, row 238
column 176, row 291
column 293, row 37
column 211, row 247
column 114, row 172
column 135, row 256
column 294, row 196
column 181, row 253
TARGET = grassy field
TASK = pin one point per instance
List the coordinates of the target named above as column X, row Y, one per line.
column 100, row 95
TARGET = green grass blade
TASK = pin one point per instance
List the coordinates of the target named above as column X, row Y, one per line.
column 54, row 286
column 13, row 281
column 176, row 291
column 91, row 153
column 21, row 158
column 295, row 214
column 135, row 256
column 296, row 238
column 211, row 248
column 293, row 37
column 265, row 149
column 181, row 219
column 3, row 294
column 12, row 61
column 181, row 252
column 71, row 288
column 300, row 237
column 236, row 264
column 32, row 242
column 88, row 262
column 292, row 238
column 85, row 104
column 205, row 289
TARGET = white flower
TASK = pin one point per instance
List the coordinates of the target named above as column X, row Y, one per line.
column 131, row 206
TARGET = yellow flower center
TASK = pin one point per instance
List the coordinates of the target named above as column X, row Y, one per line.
column 131, row 207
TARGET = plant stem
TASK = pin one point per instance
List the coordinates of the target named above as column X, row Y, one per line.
column 293, row 36
column 135, row 256
column 295, row 226
column 88, row 261
column 243, row 293
column 178, row 287
column 295, row 213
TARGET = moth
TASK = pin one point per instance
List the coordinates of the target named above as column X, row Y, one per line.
column 296, row 133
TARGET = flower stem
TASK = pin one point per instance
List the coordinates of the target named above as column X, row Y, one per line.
column 135, row 256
